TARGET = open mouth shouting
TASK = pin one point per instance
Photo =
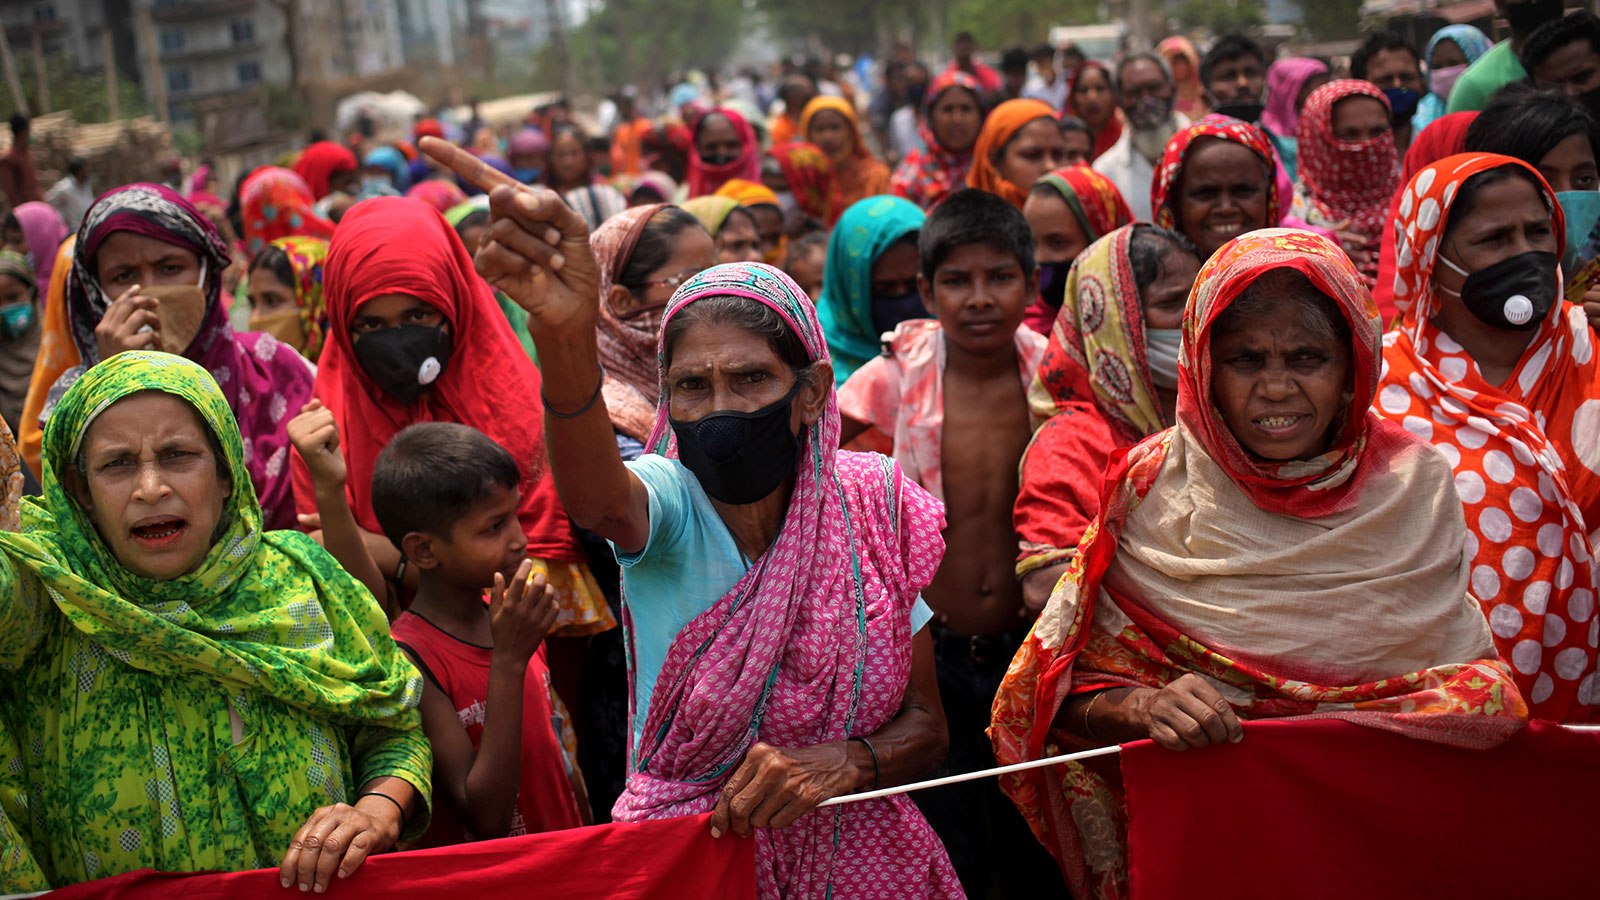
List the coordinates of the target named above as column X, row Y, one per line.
column 158, row 532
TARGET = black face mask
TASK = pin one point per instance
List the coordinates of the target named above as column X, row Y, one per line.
column 1245, row 111
column 719, row 161
column 404, row 361
column 888, row 312
column 740, row 457
column 1515, row 293
column 1524, row 18
column 1053, row 282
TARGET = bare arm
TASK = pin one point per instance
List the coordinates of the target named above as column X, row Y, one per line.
column 316, row 438
column 1186, row 713
column 536, row 250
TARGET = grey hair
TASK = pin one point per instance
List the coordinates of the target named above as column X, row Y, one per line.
column 1141, row 56
column 1319, row 315
column 1149, row 247
column 744, row 314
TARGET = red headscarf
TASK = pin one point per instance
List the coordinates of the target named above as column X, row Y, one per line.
column 1345, row 181
column 704, row 178
column 1445, row 136
column 810, row 178
column 1163, row 198
column 927, row 175
column 276, row 203
column 320, row 162
column 1002, row 125
column 392, row 245
column 1112, row 130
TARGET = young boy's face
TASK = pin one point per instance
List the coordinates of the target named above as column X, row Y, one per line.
column 486, row 540
column 979, row 294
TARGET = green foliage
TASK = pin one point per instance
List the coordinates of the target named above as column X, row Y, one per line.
column 647, row 41
column 1222, row 16
column 1332, row 20
column 84, row 93
column 1005, row 23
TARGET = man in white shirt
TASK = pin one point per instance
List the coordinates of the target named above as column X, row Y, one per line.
column 72, row 196
column 1145, row 92
column 1048, row 81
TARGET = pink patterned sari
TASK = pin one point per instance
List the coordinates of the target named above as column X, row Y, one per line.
column 812, row 645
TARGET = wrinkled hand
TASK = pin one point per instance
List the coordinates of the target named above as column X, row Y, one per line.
column 774, row 786
column 337, row 838
column 535, row 249
column 522, row 613
column 123, row 326
column 1187, row 713
column 1038, row 585
column 1591, row 308
column 315, row 436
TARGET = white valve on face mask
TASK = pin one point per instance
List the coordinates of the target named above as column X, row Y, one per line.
column 1519, row 309
column 429, row 371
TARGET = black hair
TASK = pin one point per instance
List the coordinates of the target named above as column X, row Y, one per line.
column 19, row 123
column 1526, row 122
column 810, row 242
column 274, row 260
column 1073, row 123
column 1379, row 42
column 1015, row 59
column 971, row 216
column 472, row 220
column 1228, row 48
column 1043, row 51
column 740, row 212
column 1582, row 25
column 432, row 474
column 965, row 36
column 76, row 166
column 656, row 243
column 1149, row 246
column 745, row 314
column 1467, row 197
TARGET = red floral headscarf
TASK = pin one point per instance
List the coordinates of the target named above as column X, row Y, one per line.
column 1163, row 196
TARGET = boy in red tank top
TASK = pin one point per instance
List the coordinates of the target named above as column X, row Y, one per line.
column 446, row 495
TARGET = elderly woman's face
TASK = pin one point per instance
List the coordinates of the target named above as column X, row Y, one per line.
column 126, row 259
column 1280, row 385
column 1164, row 299
column 718, row 367
column 1222, row 194
column 151, row 485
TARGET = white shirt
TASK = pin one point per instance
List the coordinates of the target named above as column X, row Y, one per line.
column 1054, row 93
column 1127, row 168
column 71, row 199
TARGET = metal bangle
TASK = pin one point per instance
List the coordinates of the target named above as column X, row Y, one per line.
column 586, row 407
column 1087, row 728
column 877, row 773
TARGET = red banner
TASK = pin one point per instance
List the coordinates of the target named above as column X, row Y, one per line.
column 1335, row 810
column 670, row 859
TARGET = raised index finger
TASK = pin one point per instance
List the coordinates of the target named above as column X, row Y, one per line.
column 470, row 167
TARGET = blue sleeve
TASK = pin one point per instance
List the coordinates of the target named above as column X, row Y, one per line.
column 921, row 615
column 669, row 506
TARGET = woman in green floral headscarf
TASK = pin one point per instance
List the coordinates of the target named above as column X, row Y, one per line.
column 870, row 279
column 187, row 691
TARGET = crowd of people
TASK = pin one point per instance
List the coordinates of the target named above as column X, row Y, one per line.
column 798, row 443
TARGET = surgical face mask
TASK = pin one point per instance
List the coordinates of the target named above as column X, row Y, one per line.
column 1581, row 209
column 1402, row 104
column 740, row 457
column 285, row 326
column 1161, row 353
column 1516, row 293
column 383, row 180
column 1442, row 81
column 16, row 320
column 1053, row 282
column 1245, row 111
column 1525, row 17
column 889, row 312
column 405, row 360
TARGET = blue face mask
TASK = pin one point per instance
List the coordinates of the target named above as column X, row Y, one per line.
column 1582, row 210
column 1402, row 103
column 527, row 176
column 16, row 319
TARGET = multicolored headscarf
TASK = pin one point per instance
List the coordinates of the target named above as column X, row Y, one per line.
column 864, row 232
column 812, row 645
column 810, row 178
column 632, row 387
column 860, row 174
column 1526, row 451
column 1163, row 189
column 306, row 256
column 1097, row 347
column 1093, row 198
column 1344, row 182
column 1285, row 79
column 276, row 203
column 265, row 381
column 999, row 128
column 929, row 173
column 705, row 178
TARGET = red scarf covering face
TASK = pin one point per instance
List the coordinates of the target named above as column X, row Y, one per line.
column 1112, row 130
column 810, row 178
column 926, row 175
column 1002, row 125
column 1345, row 182
column 1164, row 186
column 1526, row 452
column 392, row 245
column 320, row 162
column 704, row 178
column 1404, row 652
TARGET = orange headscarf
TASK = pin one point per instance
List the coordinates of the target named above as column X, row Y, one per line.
column 861, row 174
column 1002, row 125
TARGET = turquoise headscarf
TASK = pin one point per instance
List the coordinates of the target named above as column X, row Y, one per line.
column 1473, row 45
column 865, row 231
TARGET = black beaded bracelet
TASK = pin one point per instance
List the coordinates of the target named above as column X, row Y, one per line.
column 586, row 407
column 391, row 800
column 877, row 773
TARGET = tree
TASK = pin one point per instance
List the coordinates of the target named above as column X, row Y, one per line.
column 646, row 41
column 1005, row 23
column 1221, row 16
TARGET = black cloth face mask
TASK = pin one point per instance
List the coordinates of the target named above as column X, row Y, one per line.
column 1515, row 293
column 740, row 457
column 1246, row 111
column 889, row 312
column 1053, row 282
column 404, row 361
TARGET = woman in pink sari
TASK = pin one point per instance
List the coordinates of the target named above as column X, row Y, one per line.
column 771, row 581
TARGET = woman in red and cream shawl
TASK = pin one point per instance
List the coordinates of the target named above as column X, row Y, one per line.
column 1329, row 586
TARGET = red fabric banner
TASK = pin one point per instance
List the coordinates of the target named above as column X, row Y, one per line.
column 1327, row 809
column 669, row 859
